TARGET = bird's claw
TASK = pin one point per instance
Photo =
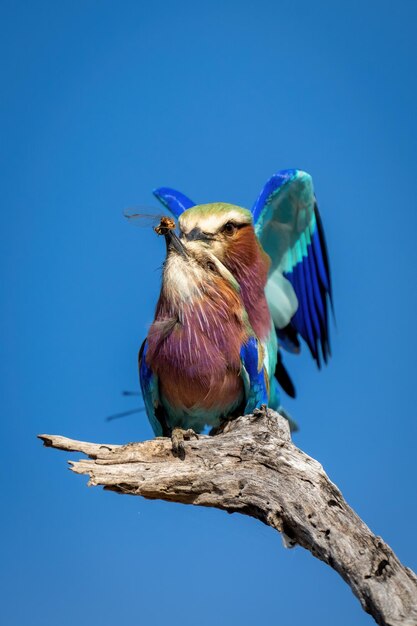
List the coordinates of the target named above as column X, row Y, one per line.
column 178, row 436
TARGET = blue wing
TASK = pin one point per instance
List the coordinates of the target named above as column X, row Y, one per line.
column 288, row 224
column 173, row 200
column 150, row 393
column 254, row 375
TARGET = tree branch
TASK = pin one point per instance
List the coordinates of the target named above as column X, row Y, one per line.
column 253, row 468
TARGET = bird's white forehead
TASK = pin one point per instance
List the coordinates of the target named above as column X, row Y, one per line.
column 210, row 217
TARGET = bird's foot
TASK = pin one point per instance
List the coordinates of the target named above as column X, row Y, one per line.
column 178, row 436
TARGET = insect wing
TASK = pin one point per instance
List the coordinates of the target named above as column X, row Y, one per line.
column 139, row 216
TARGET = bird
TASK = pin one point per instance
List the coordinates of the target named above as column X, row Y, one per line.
column 202, row 363
column 277, row 261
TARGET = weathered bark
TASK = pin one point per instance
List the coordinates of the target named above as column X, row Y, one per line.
column 253, row 468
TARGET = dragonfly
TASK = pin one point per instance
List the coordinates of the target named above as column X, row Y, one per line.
column 161, row 223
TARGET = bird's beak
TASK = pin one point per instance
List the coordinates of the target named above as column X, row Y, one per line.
column 174, row 243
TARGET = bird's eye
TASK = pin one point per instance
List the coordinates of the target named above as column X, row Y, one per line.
column 229, row 228
column 210, row 266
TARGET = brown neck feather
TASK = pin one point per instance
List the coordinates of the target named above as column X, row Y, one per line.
column 249, row 264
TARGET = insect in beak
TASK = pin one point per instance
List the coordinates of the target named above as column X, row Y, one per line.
column 166, row 228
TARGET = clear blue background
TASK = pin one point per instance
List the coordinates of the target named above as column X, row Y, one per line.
column 103, row 101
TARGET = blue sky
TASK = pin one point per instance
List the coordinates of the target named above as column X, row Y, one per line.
column 103, row 101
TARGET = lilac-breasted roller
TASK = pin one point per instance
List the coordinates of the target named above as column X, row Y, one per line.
column 237, row 286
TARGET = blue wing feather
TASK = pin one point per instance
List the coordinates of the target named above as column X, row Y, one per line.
column 310, row 295
column 318, row 296
column 254, row 376
column 324, row 253
column 173, row 200
column 318, row 253
column 312, row 305
column 320, row 302
column 150, row 393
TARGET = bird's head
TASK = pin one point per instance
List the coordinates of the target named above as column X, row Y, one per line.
column 227, row 231
column 218, row 227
